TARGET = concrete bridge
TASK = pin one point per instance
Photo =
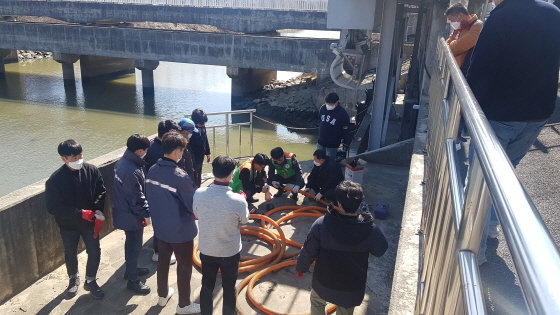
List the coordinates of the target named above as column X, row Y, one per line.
column 238, row 19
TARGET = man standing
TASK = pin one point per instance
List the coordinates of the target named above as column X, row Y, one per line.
column 75, row 195
column 199, row 143
column 325, row 176
column 170, row 191
column 219, row 211
column 514, row 74
column 130, row 207
column 340, row 243
column 154, row 154
column 333, row 128
column 466, row 31
column 284, row 169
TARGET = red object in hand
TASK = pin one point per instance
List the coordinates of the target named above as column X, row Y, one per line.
column 299, row 274
column 144, row 223
column 88, row 215
column 98, row 225
column 242, row 193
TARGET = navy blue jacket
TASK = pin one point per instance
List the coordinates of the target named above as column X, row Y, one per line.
column 130, row 206
column 199, row 145
column 68, row 192
column 341, row 246
column 170, row 193
column 155, row 152
column 514, row 67
column 333, row 127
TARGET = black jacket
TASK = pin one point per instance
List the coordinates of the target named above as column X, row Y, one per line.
column 187, row 163
column 199, row 145
column 514, row 67
column 341, row 246
column 155, row 152
column 325, row 177
column 334, row 126
column 66, row 195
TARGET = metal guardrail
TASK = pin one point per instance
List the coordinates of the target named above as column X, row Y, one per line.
column 454, row 217
column 227, row 125
column 296, row 5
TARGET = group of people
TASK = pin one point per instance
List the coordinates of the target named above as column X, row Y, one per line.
column 158, row 182
column 511, row 63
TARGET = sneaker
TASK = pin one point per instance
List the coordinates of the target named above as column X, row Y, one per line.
column 94, row 289
column 162, row 301
column 279, row 193
column 192, row 308
column 294, row 196
column 138, row 286
column 141, row 272
column 493, row 231
column 73, row 287
column 155, row 257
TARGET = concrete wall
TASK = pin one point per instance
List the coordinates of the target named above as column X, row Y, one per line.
column 30, row 243
column 95, row 66
column 239, row 20
column 241, row 51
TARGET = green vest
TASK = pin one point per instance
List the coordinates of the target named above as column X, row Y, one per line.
column 285, row 170
column 236, row 183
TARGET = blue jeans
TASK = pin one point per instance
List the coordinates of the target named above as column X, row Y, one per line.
column 330, row 151
column 516, row 138
column 70, row 240
column 132, row 249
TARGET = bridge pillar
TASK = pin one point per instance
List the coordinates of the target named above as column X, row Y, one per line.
column 3, row 54
column 96, row 67
column 245, row 81
column 147, row 67
column 67, row 61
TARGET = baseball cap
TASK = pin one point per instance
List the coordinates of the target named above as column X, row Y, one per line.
column 187, row 124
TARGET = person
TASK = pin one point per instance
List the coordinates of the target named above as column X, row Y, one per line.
column 154, row 154
column 325, row 176
column 170, row 192
column 333, row 128
column 340, row 243
column 75, row 196
column 199, row 142
column 284, row 169
column 219, row 211
column 466, row 29
column 514, row 74
column 250, row 177
column 187, row 128
column 130, row 207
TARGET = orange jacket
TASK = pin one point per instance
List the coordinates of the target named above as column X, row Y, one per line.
column 464, row 38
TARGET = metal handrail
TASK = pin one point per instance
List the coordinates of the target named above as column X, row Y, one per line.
column 227, row 126
column 454, row 216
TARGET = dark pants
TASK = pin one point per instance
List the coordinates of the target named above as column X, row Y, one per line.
column 255, row 187
column 132, row 249
column 327, row 195
column 155, row 243
column 210, row 266
column 70, row 240
column 198, row 170
column 183, row 253
column 295, row 180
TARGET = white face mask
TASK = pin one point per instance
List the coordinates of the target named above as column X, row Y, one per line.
column 316, row 163
column 76, row 165
column 455, row 25
column 330, row 107
column 189, row 135
column 144, row 155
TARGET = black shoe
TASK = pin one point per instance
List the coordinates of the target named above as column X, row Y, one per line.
column 138, row 286
column 73, row 287
column 94, row 289
column 141, row 272
column 294, row 196
column 279, row 193
column 252, row 200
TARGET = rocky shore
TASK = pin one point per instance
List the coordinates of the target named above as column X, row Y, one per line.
column 32, row 55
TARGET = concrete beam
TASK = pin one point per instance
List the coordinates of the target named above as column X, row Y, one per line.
column 238, row 20
column 240, row 51
column 97, row 67
column 147, row 67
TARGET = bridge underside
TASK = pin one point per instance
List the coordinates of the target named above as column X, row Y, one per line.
column 232, row 50
column 233, row 19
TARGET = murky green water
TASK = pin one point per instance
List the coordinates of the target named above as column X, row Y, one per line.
column 37, row 113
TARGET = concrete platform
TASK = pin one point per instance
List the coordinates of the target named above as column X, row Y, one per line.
column 281, row 290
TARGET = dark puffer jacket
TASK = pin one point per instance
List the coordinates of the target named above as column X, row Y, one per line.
column 341, row 245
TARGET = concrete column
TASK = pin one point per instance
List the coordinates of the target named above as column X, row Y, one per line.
column 3, row 54
column 147, row 67
column 384, row 73
column 96, row 67
column 245, row 81
column 67, row 62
